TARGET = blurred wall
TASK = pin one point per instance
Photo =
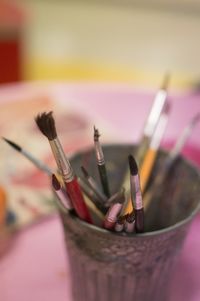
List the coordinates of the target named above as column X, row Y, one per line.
column 100, row 41
column 12, row 22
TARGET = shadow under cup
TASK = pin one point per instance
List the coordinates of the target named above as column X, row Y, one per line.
column 107, row 266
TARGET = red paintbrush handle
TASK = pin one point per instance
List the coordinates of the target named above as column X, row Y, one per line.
column 76, row 196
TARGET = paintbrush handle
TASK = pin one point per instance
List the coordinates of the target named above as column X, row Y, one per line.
column 111, row 216
column 77, row 199
column 89, row 192
column 147, row 167
column 104, row 179
column 142, row 149
column 37, row 163
column 139, row 220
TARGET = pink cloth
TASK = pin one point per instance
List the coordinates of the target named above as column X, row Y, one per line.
column 36, row 267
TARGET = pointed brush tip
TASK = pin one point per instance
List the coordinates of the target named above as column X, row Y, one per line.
column 133, row 165
column 13, row 144
column 5, row 139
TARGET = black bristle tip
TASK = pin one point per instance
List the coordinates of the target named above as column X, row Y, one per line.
column 46, row 124
column 133, row 165
column 14, row 145
column 55, row 183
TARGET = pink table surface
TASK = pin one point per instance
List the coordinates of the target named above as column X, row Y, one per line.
column 36, row 267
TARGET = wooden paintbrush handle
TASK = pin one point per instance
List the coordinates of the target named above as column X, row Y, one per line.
column 77, row 199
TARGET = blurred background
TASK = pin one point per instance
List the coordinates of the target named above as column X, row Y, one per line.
column 114, row 40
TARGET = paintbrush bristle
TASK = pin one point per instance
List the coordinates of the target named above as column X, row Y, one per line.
column 46, row 124
column 96, row 134
column 133, row 165
column 55, row 183
column 14, row 145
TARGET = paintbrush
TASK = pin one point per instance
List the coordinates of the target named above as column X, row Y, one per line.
column 152, row 152
column 169, row 162
column 186, row 133
column 151, row 123
column 46, row 124
column 40, row 165
column 101, row 163
column 136, row 195
column 153, row 118
column 151, row 155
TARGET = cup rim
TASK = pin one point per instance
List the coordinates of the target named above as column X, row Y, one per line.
column 146, row 234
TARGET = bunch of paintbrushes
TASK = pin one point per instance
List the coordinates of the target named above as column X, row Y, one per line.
column 123, row 210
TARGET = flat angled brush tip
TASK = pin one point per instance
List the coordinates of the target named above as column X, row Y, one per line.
column 14, row 145
column 132, row 165
column 55, row 183
column 46, row 124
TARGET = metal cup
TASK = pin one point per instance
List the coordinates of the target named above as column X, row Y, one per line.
column 108, row 266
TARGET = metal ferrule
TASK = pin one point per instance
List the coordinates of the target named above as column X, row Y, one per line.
column 99, row 153
column 136, row 192
column 63, row 163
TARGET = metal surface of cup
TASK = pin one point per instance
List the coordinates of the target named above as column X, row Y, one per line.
column 108, row 266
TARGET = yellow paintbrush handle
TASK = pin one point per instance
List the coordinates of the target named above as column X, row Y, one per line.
column 147, row 167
